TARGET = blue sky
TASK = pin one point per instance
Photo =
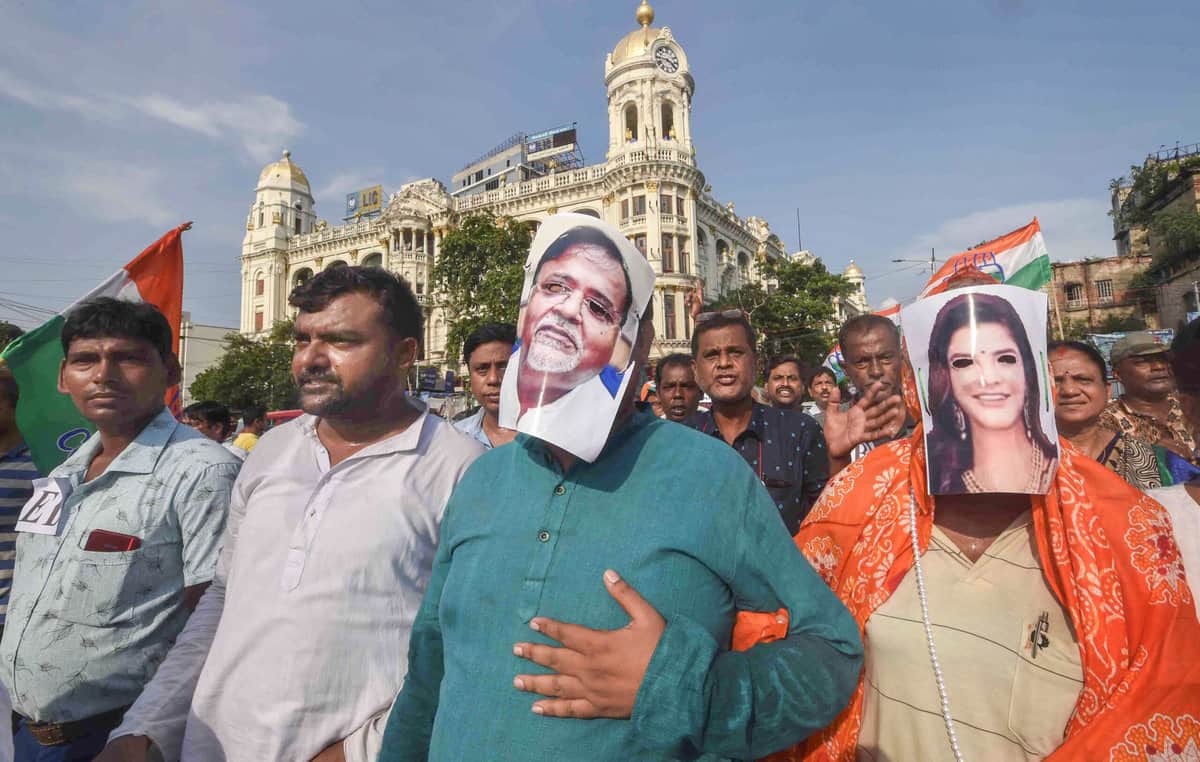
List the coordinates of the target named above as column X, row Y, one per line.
column 892, row 127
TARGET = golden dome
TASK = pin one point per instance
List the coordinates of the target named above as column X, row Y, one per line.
column 638, row 41
column 284, row 170
column 852, row 271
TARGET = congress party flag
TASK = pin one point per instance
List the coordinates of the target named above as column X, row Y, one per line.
column 49, row 421
column 1018, row 258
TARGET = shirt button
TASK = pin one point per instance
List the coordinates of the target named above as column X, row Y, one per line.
column 544, row 536
column 560, row 490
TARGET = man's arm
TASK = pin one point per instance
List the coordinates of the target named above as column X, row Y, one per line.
column 410, row 726
column 697, row 697
column 159, row 716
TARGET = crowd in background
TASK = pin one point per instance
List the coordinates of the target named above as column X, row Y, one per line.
column 210, row 589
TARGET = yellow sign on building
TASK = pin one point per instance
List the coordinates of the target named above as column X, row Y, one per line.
column 364, row 202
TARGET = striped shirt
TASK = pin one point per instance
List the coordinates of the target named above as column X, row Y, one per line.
column 17, row 473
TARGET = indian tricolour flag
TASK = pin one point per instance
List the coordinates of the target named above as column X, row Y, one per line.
column 1018, row 258
column 49, row 421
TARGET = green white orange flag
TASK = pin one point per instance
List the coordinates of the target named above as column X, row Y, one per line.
column 49, row 421
column 1018, row 258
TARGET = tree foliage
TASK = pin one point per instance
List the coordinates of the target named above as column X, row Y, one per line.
column 796, row 313
column 252, row 371
column 8, row 333
column 479, row 274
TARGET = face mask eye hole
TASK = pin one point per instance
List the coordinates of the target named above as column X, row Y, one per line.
column 1008, row 359
column 961, row 363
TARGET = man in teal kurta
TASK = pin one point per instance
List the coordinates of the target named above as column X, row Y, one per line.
column 530, row 541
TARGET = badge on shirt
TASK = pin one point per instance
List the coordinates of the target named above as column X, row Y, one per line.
column 43, row 513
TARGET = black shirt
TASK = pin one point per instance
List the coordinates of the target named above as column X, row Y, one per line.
column 787, row 450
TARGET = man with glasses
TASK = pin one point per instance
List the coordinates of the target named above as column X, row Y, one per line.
column 570, row 334
column 1149, row 409
column 785, row 448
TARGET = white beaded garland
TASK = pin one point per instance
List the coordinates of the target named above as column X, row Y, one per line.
column 933, row 659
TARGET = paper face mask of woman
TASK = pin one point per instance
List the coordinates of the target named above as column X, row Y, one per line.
column 984, row 425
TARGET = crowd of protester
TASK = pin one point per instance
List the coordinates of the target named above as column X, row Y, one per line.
column 728, row 579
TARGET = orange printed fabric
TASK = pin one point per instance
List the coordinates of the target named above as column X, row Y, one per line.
column 1109, row 555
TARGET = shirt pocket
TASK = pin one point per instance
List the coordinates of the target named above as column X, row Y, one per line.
column 107, row 588
column 1046, row 683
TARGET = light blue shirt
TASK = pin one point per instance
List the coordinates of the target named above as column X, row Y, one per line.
column 472, row 426
column 87, row 629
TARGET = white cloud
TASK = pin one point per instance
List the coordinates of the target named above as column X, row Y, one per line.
column 1073, row 228
column 113, row 191
column 260, row 124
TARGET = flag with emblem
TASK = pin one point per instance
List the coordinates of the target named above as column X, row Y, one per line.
column 53, row 428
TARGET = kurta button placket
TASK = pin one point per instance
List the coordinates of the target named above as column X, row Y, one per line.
column 544, row 536
column 549, row 534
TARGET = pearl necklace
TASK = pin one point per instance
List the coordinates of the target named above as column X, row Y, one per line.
column 933, row 659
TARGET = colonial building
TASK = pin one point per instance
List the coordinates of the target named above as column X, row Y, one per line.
column 649, row 185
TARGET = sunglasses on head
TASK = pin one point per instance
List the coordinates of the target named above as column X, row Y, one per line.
column 730, row 314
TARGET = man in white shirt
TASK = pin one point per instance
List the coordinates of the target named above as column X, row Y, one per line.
column 291, row 654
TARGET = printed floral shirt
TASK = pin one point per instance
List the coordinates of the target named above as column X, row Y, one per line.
column 1118, row 416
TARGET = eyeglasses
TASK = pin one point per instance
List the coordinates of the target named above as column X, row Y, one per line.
column 704, row 317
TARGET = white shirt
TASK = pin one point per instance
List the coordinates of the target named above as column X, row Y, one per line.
column 302, row 640
column 1185, row 518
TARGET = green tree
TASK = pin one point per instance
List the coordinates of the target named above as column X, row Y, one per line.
column 795, row 313
column 252, row 371
column 479, row 274
column 8, row 333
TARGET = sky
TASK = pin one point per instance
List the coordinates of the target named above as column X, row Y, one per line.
column 893, row 128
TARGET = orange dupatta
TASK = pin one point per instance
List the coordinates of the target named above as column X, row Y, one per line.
column 1108, row 554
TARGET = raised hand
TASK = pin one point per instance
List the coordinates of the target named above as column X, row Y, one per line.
column 878, row 415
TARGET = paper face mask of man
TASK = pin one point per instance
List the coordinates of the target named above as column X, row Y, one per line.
column 586, row 286
column 979, row 356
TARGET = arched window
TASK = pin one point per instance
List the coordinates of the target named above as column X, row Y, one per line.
column 722, row 251
column 668, row 121
column 631, row 123
column 301, row 275
column 373, row 260
column 335, row 263
column 743, row 261
column 260, row 284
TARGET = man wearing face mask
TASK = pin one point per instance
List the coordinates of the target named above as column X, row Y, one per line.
column 1149, row 408
column 534, row 593
column 292, row 652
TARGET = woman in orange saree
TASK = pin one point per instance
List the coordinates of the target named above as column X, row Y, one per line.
column 1106, row 552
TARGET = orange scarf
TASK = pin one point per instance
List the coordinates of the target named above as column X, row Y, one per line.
column 1109, row 556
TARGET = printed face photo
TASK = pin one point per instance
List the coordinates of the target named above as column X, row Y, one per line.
column 585, row 288
column 572, row 321
column 979, row 356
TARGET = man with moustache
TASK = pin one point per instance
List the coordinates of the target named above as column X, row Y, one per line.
column 784, row 386
column 678, row 392
column 785, row 448
column 1149, row 408
column 822, row 389
column 108, row 571
column 571, row 349
column 486, row 352
column 292, row 653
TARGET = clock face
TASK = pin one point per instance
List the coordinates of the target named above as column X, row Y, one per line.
column 666, row 59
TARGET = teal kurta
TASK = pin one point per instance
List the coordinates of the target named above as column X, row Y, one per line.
column 683, row 520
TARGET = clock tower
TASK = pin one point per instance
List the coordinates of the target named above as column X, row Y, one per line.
column 650, row 90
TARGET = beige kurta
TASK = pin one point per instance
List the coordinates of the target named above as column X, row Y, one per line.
column 1010, row 698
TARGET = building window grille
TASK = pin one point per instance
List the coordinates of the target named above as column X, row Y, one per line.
column 679, row 205
column 640, row 242
column 260, row 286
column 258, row 321
column 1074, row 295
column 624, row 209
column 1104, row 291
column 639, row 205
column 668, row 254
